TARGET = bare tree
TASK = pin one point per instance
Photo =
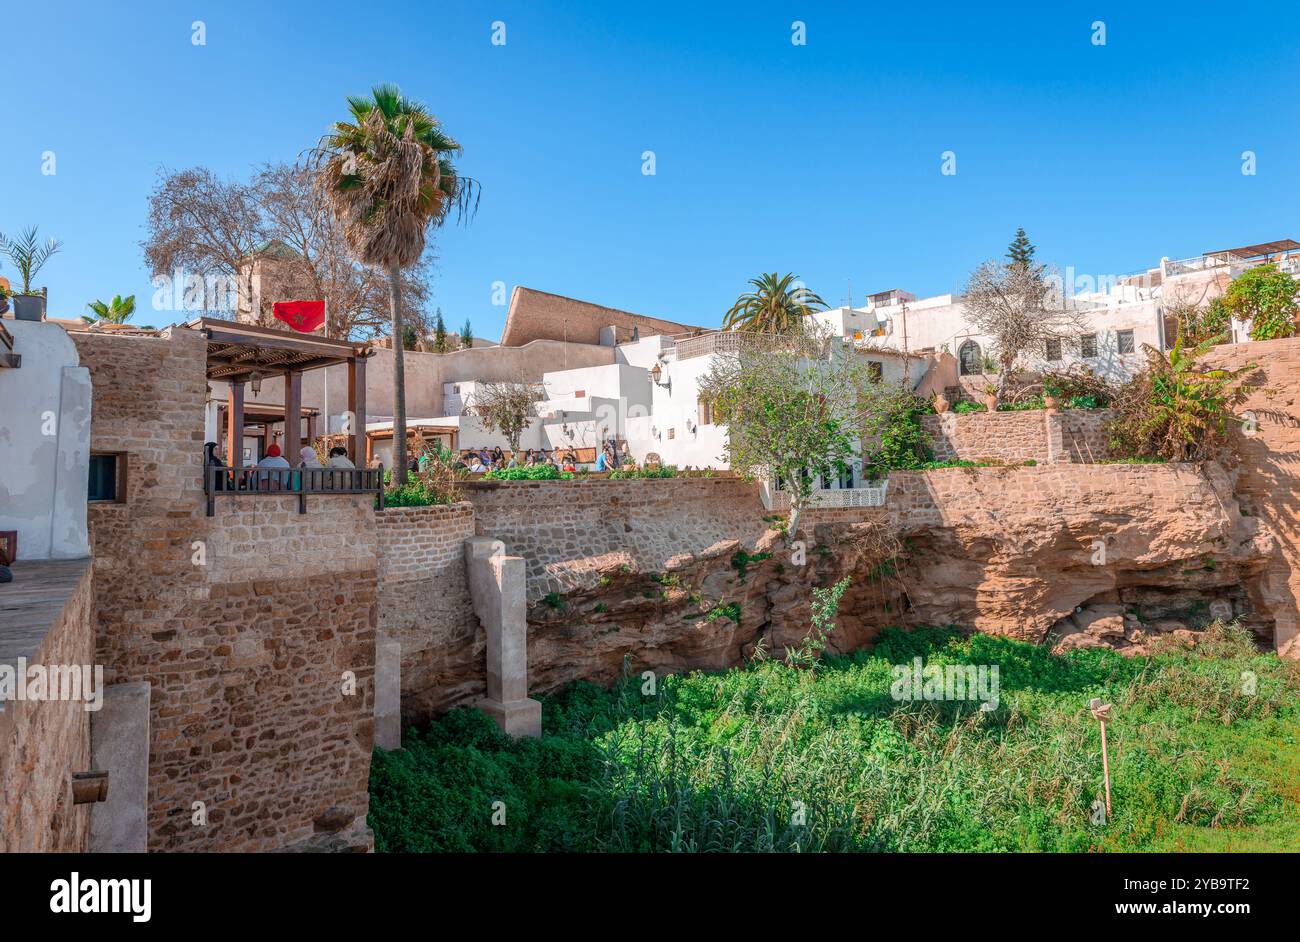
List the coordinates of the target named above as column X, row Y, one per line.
column 505, row 408
column 1017, row 306
column 207, row 226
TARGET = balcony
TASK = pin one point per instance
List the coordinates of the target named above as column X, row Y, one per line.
column 219, row 483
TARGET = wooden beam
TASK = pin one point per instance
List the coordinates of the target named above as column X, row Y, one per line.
column 292, row 416
column 357, row 447
column 235, row 425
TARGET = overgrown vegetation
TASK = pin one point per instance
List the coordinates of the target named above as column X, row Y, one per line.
column 641, row 471
column 894, row 426
column 1268, row 299
column 773, row 758
column 1175, row 409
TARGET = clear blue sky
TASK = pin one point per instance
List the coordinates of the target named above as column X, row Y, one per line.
column 822, row 159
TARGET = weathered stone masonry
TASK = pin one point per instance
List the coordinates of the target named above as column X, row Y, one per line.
column 243, row 623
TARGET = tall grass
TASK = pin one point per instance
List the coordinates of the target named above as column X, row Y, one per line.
column 773, row 758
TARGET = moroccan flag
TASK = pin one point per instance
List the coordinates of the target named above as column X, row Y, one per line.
column 304, row 316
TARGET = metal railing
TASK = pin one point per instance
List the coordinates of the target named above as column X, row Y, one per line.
column 872, row 495
column 290, row 482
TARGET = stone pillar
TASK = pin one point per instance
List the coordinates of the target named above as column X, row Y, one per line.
column 498, row 585
column 119, row 745
column 388, row 695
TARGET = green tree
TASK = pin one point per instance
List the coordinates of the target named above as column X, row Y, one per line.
column 439, row 334
column 1267, row 298
column 794, row 407
column 1021, row 250
column 777, row 305
column 117, row 311
column 466, row 336
column 389, row 176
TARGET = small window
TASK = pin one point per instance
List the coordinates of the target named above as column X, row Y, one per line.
column 579, row 393
column 706, row 412
column 1125, row 341
column 1053, row 350
column 105, row 481
column 1088, row 346
column 672, row 433
column 876, row 372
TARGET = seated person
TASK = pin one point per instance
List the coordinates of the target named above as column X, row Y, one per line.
column 339, row 458
column 273, row 460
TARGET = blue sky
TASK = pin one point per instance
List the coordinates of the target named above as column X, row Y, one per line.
column 822, row 159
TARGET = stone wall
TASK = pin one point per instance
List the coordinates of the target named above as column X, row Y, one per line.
column 425, row 606
column 569, row 530
column 249, row 624
column 1072, row 435
column 42, row 743
column 1009, row 437
column 1269, row 474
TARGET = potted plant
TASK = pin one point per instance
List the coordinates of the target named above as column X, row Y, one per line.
column 941, row 403
column 1051, row 396
column 28, row 256
column 4, row 295
column 991, row 397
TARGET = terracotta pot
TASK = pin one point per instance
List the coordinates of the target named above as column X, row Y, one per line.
column 941, row 404
column 991, row 403
column 1051, row 404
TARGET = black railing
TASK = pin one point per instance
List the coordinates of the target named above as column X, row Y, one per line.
column 290, row 482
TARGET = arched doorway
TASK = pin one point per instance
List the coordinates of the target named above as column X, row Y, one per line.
column 970, row 358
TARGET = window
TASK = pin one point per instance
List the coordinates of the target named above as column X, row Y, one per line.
column 706, row 412
column 1125, row 341
column 970, row 358
column 875, row 371
column 106, row 479
column 579, row 394
column 1088, row 346
column 672, row 433
column 1053, row 350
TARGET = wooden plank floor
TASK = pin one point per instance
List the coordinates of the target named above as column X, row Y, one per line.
column 32, row 603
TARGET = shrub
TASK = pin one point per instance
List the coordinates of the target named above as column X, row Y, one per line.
column 1267, row 298
column 537, row 472
column 1174, row 409
column 901, row 442
column 627, row 474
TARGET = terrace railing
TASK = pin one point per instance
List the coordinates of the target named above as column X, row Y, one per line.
column 867, row 496
column 302, row 483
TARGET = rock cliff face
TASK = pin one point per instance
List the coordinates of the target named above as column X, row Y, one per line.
column 1070, row 555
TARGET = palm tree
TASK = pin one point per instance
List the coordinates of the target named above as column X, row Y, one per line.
column 775, row 306
column 118, row 311
column 388, row 176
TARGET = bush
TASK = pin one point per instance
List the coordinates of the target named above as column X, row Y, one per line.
column 1267, row 298
column 901, row 442
column 1174, row 409
column 537, row 472
column 627, row 474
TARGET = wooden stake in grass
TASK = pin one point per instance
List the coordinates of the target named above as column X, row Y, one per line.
column 1102, row 712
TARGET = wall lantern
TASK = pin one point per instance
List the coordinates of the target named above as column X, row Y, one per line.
column 660, row 377
column 255, row 381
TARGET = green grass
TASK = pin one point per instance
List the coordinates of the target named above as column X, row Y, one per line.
column 727, row 761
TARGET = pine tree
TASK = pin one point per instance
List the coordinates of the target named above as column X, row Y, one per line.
column 466, row 336
column 439, row 334
column 1021, row 250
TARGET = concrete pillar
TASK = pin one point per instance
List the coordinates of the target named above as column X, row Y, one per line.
column 498, row 588
column 388, row 695
column 119, row 745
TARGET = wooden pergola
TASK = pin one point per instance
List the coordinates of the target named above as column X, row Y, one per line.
column 238, row 351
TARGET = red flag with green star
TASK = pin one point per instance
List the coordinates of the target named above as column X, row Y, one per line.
column 304, row 316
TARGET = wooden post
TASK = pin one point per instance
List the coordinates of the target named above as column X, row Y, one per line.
column 292, row 415
column 1102, row 712
column 235, row 427
column 311, row 430
column 357, row 408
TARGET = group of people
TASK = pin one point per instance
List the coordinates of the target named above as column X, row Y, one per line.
column 273, row 460
column 494, row 459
